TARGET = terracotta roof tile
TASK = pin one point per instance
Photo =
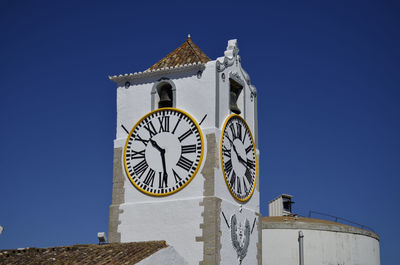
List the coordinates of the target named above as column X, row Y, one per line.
column 187, row 53
column 115, row 253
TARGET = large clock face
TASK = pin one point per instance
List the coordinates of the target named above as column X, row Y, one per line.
column 238, row 158
column 163, row 151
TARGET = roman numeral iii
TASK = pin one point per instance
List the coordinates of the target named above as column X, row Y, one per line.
column 188, row 148
column 184, row 163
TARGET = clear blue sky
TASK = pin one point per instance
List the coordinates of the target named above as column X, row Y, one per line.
column 327, row 73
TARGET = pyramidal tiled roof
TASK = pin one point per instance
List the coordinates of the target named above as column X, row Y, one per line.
column 114, row 253
column 187, row 53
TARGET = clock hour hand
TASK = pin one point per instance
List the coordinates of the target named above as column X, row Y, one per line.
column 155, row 145
column 241, row 160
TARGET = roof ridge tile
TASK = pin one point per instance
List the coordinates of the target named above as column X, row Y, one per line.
column 188, row 53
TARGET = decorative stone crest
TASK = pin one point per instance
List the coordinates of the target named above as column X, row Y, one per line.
column 240, row 235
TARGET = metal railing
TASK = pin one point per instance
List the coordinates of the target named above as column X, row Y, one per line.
column 341, row 220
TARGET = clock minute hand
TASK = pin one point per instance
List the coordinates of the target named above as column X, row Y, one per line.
column 241, row 160
column 165, row 175
column 162, row 154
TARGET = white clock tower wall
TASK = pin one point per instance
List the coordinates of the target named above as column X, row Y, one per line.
column 229, row 68
column 196, row 220
column 175, row 218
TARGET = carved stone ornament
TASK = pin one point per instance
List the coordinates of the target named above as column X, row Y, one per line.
column 240, row 235
column 231, row 55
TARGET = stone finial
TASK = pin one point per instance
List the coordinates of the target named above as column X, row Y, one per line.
column 232, row 49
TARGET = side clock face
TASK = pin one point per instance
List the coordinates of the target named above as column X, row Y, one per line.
column 163, row 151
column 238, row 158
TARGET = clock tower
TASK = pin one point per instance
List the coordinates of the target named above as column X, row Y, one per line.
column 186, row 158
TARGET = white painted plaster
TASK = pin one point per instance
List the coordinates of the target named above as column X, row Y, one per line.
column 177, row 222
column 280, row 247
column 165, row 256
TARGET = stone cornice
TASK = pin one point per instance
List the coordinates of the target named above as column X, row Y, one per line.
column 150, row 73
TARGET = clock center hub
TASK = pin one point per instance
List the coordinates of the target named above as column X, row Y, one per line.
column 171, row 146
column 238, row 166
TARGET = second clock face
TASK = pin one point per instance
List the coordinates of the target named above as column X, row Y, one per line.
column 163, row 152
column 238, row 158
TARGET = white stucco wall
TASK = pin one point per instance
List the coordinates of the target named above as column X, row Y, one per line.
column 280, row 247
column 175, row 221
column 165, row 256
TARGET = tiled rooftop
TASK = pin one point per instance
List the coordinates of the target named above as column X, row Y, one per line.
column 115, row 253
column 187, row 53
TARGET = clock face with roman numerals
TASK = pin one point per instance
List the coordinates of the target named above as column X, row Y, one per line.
column 163, row 152
column 238, row 158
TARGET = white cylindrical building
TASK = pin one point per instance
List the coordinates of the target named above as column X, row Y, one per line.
column 325, row 242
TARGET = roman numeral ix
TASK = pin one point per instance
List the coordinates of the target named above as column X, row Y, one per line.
column 137, row 154
column 226, row 151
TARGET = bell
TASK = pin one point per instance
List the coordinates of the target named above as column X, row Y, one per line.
column 233, row 96
column 165, row 100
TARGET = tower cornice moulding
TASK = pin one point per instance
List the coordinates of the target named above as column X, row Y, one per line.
column 120, row 79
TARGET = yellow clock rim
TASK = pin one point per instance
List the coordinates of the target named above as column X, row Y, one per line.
column 194, row 173
column 222, row 163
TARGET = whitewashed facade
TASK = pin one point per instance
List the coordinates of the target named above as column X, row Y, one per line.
column 325, row 243
column 196, row 220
